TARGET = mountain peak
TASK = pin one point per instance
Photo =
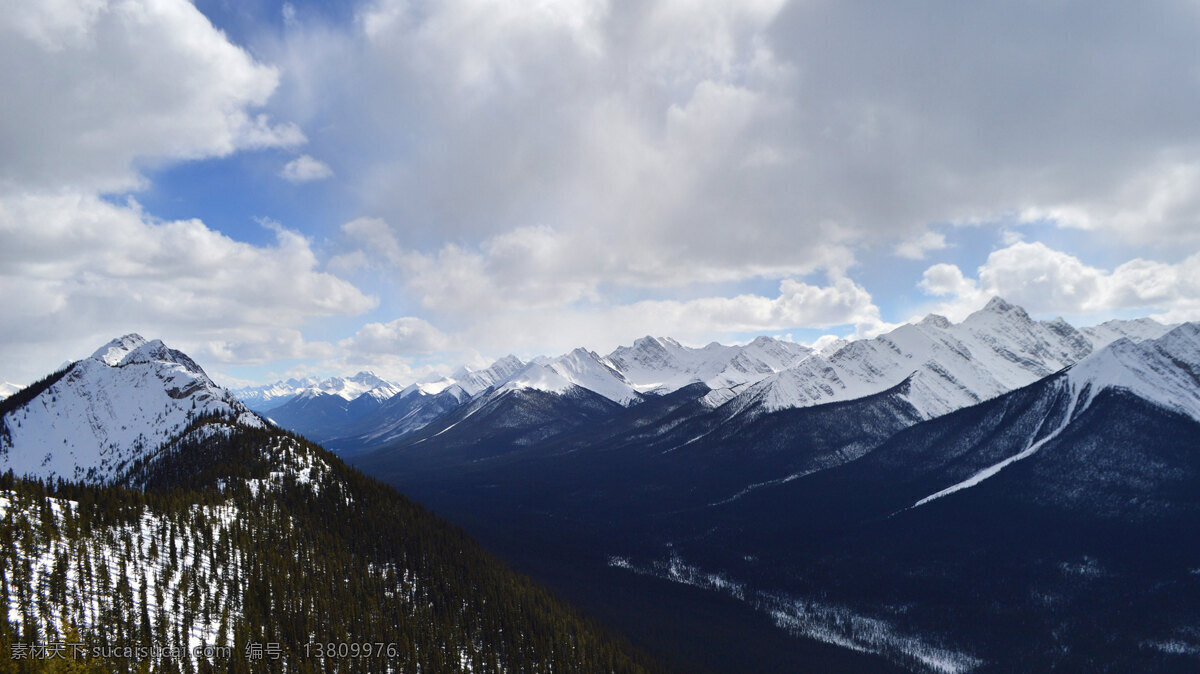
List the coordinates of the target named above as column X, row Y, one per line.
column 938, row 320
column 998, row 304
column 110, row 411
column 154, row 351
column 116, row 350
column 1001, row 309
column 366, row 378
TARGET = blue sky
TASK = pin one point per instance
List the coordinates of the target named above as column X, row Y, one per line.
column 405, row 186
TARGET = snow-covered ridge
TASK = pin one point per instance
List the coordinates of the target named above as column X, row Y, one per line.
column 165, row 553
column 7, row 389
column 994, row 350
column 1164, row 371
column 662, row 365
column 580, row 368
column 477, row 381
column 111, row 409
column 1136, row 330
column 269, row 396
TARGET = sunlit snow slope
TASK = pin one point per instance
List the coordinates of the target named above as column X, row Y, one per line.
column 110, row 409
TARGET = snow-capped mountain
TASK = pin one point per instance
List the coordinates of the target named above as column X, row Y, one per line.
column 580, row 368
column 354, row 386
column 1137, row 330
column 995, row 350
column 662, row 365
column 944, row 366
column 1163, row 370
column 409, row 411
column 1028, row 511
column 476, row 381
column 7, row 389
column 330, row 410
column 270, row 396
column 104, row 412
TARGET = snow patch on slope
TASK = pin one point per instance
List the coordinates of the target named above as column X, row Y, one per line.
column 153, row 574
column 829, row 623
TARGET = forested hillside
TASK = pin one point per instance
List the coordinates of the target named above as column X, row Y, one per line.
column 257, row 540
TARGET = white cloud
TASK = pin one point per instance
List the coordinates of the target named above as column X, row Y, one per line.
column 797, row 305
column 78, row 270
column 536, row 289
column 678, row 142
column 917, row 247
column 403, row 336
column 1048, row 281
column 1159, row 202
column 304, row 168
column 605, row 324
column 106, row 89
column 946, row 279
column 547, row 167
column 98, row 89
column 536, row 267
column 634, row 133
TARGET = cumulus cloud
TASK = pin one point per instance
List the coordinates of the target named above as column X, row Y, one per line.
column 535, row 288
column 946, row 279
column 532, row 267
column 1047, row 281
column 697, row 321
column 543, row 168
column 304, row 169
column 635, row 133
column 78, row 270
column 675, row 143
column 102, row 88
column 797, row 305
column 403, row 336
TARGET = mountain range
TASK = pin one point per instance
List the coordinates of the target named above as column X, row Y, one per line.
column 780, row 480
column 999, row 494
column 270, row 396
column 946, row 366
